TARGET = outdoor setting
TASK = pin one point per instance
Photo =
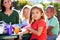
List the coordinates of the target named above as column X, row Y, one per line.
column 29, row 19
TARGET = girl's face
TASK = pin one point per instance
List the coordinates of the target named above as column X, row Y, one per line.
column 7, row 4
column 36, row 14
column 49, row 13
column 26, row 12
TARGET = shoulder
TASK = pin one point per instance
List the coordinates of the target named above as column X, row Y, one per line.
column 55, row 19
column 41, row 22
column 1, row 12
column 15, row 12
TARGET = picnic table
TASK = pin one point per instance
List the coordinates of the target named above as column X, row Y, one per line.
column 16, row 36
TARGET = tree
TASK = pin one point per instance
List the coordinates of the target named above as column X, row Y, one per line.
column 20, row 4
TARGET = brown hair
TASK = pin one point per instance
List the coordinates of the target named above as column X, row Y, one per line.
column 3, row 7
column 30, row 20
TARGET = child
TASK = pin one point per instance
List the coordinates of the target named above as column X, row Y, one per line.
column 52, row 23
column 25, row 20
column 38, row 25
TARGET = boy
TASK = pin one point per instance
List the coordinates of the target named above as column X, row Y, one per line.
column 52, row 23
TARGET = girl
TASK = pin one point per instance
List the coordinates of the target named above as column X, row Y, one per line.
column 7, row 14
column 24, row 21
column 38, row 25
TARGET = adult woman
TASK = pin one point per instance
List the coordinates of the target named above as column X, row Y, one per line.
column 7, row 14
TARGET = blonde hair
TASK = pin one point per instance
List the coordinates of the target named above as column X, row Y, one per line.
column 22, row 13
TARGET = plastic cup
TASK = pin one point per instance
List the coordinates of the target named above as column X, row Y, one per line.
column 16, row 30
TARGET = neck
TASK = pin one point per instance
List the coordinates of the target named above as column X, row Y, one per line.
column 37, row 19
column 50, row 18
column 8, row 12
column 26, row 18
column 7, row 9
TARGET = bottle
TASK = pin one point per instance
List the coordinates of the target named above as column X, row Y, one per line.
column 9, row 29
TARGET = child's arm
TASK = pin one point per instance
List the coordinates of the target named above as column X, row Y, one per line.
column 21, row 34
column 38, row 32
column 49, row 31
column 26, row 32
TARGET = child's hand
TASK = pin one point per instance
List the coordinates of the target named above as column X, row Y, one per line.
column 29, row 28
column 20, row 36
column 20, row 30
column 50, row 34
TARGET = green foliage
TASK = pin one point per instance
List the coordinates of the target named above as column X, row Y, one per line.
column 57, row 6
column 23, row 4
column 19, row 5
column 44, row 5
column 51, row 3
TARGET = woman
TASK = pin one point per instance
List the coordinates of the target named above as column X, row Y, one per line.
column 7, row 14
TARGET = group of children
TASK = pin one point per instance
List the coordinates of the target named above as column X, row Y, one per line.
column 39, row 29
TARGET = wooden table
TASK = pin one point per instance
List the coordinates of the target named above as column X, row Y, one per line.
column 9, row 36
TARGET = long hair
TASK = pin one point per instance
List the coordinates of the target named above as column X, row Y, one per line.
column 31, row 20
column 3, row 7
column 22, row 13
